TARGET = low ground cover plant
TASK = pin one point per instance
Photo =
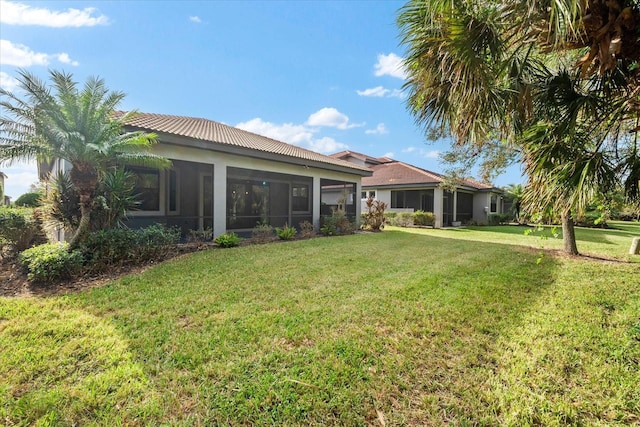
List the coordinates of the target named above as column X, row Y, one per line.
column 285, row 232
column 228, row 240
column 262, row 233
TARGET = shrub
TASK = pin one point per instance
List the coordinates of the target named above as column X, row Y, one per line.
column 337, row 223
column 50, row 262
column 20, row 228
column 424, row 218
column 205, row 235
column 262, row 233
column 120, row 246
column 29, row 200
column 306, row 229
column 286, row 232
column 228, row 240
column 497, row 219
column 403, row 219
column 374, row 217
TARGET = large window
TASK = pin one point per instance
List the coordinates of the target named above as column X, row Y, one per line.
column 398, row 199
column 255, row 196
column 494, row 203
column 300, row 200
column 147, row 188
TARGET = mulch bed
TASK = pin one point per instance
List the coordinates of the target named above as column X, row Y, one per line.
column 14, row 282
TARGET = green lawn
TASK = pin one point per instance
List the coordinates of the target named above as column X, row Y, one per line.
column 439, row 327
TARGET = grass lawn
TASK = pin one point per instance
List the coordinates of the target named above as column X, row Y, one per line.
column 435, row 327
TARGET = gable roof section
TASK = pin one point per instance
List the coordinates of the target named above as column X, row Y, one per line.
column 396, row 173
column 213, row 135
column 347, row 154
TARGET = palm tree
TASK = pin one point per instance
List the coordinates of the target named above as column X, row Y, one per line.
column 73, row 124
column 514, row 193
column 492, row 75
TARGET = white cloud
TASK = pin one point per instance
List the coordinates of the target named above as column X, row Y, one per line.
column 20, row 55
column 377, row 91
column 381, row 92
column 330, row 117
column 299, row 135
column 427, row 154
column 20, row 176
column 64, row 58
column 390, row 65
column 7, row 82
column 379, row 130
column 195, row 19
column 388, row 154
column 22, row 14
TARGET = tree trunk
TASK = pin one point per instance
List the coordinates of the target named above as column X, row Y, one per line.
column 569, row 234
column 85, row 221
column 84, row 178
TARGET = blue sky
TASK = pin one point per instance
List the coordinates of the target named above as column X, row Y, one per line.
column 324, row 75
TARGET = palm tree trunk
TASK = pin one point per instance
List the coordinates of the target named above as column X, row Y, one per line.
column 569, row 234
column 85, row 221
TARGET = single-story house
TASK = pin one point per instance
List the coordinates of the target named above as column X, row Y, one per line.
column 228, row 179
column 407, row 188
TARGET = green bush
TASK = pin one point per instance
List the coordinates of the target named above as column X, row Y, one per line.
column 205, row 235
column 20, row 228
column 286, row 232
column 228, row 240
column 337, row 223
column 497, row 219
column 262, row 233
column 424, row 218
column 29, row 200
column 402, row 219
column 119, row 246
column 50, row 262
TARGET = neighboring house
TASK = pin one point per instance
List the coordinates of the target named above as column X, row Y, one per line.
column 229, row 179
column 407, row 188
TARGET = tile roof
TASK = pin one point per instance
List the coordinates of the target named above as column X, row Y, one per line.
column 209, row 131
column 400, row 173
column 390, row 172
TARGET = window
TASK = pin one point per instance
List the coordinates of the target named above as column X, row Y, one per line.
column 494, row 203
column 398, row 199
column 147, row 188
column 300, row 197
column 173, row 185
column 368, row 194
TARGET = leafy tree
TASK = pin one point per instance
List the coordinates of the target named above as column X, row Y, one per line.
column 514, row 192
column 79, row 125
column 29, row 200
column 494, row 76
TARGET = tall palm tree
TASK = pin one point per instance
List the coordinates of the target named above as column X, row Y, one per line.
column 74, row 124
column 491, row 74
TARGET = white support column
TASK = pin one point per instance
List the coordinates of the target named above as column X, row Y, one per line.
column 316, row 202
column 455, row 205
column 219, row 199
column 438, row 206
column 358, row 203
